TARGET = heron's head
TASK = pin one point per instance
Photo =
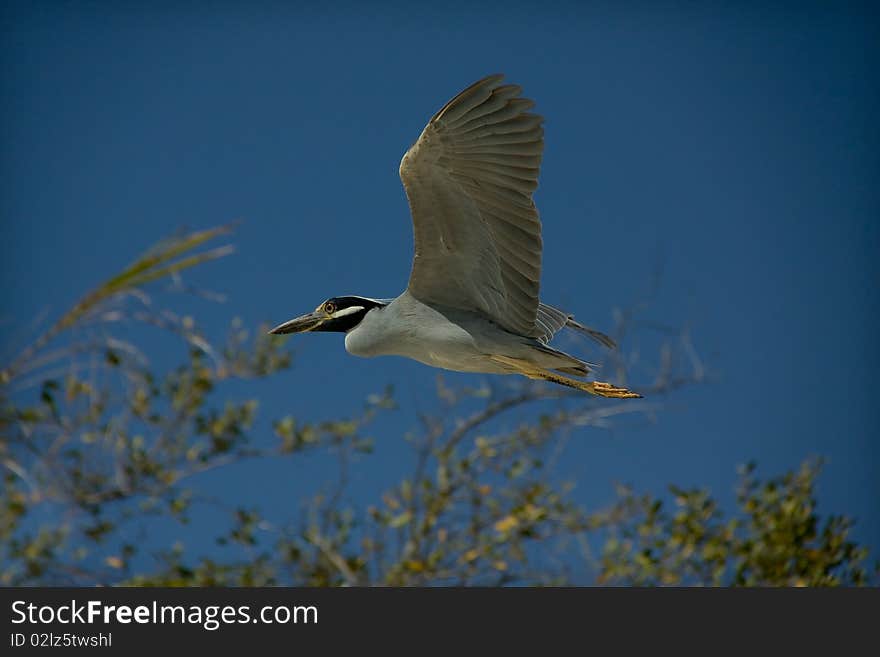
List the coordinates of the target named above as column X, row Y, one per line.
column 336, row 314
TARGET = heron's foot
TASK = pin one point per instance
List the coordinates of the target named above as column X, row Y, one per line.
column 607, row 390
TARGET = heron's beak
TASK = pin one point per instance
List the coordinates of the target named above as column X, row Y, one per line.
column 301, row 324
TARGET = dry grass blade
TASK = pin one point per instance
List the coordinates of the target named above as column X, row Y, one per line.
column 167, row 258
column 163, row 252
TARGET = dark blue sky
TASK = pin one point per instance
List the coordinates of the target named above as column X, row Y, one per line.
column 735, row 148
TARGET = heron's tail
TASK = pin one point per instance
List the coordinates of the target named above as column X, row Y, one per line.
column 559, row 361
column 580, row 370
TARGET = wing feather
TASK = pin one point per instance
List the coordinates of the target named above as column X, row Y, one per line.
column 469, row 180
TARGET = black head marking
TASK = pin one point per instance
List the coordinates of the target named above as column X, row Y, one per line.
column 347, row 321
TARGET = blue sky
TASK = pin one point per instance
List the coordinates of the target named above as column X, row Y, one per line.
column 734, row 148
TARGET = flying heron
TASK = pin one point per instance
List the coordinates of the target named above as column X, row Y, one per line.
column 471, row 304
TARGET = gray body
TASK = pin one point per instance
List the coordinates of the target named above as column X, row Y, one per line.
column 447, row 338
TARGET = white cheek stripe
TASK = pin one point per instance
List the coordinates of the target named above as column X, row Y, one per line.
column 351, row 310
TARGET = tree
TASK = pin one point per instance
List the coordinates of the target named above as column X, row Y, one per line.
column 96, row 438
column 776, row 539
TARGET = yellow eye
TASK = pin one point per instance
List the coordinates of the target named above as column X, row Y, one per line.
column 329, row 307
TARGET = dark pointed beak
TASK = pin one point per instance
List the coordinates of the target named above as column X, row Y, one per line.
column 301, row 324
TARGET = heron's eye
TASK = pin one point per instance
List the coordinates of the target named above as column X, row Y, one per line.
column 329, row 308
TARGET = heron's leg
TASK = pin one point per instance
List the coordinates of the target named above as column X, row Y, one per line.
column 599, row 388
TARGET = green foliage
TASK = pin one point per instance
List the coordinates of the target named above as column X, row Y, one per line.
column 97, row 440
column 776, row 539
column 108, row 439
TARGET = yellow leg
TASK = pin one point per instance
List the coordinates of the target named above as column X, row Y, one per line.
column 599, row 388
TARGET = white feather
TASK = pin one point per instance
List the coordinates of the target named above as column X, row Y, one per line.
column 351, row 310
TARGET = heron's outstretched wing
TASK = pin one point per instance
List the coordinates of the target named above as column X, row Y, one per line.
column 469, row 180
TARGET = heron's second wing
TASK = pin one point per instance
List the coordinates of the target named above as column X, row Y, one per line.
column 550, row 320
column 469, row 180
